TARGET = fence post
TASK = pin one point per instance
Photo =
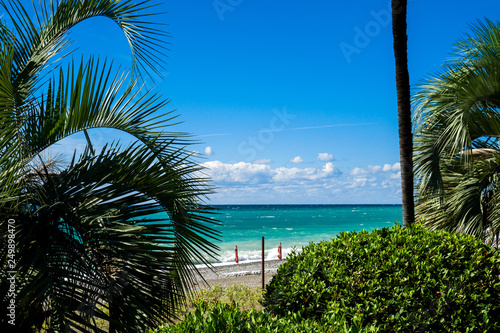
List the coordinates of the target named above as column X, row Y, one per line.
column 263, row 262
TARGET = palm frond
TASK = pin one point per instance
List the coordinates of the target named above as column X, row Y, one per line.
column 456, row 111
column 115, row 234
column 110, row 244
column 91, row 96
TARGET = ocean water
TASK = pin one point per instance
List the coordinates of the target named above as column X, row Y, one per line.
column 292, row 226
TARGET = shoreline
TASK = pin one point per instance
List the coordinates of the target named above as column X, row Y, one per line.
column 246, row 273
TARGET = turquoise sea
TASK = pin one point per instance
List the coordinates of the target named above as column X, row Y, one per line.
column 293, row 226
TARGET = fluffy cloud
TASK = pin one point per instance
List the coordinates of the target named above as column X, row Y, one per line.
column 208, row 151
column 394, row 167
column 253, row 173
column 357, row 171
column 358, row 182
column 396, row 175
column 238, row 173
column 371, row 169
column 374, row 168
column 260, row 183
column 297, row 159
column 295, row 174
column 324, row 157
column 376, row 176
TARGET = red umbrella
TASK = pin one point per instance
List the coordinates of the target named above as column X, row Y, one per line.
column 279, row 252
column 236, row 253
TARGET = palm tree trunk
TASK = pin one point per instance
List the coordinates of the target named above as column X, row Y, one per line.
column 399, row 8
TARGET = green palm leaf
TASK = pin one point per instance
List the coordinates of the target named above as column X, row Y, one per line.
column 115, row 234
column 109, row 241
column 457, row 118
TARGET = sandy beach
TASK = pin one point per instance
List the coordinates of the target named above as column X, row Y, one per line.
column 247, row 273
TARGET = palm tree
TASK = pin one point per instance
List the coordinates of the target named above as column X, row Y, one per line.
column 457, row 135
column 114, row 233
column 399, row 8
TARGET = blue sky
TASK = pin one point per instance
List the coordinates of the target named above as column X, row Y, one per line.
column 294, row 101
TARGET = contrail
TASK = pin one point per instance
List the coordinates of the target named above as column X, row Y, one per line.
column 220, row 134
column 293, row 129
column 315, row 127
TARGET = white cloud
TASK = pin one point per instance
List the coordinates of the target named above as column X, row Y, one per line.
column 368, row 170
column 296, row 174
column 297, row 159
column 209, row 151
column 396, row 175
column 260, row 183
column 358, row 182
column 357, row 171
column 253, row 173
column 239, row 173
column 263, row 161
column 375, row 176
column 394, row 167
column 324, row 157
column 371, row 169
column 374, row 168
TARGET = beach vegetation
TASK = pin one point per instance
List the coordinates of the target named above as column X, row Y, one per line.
column 457, row 131
column 111, row 234
column 399, row 279
column 389, row 280
column 215, row 316
column 248, row 297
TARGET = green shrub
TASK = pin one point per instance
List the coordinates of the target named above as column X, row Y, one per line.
column 216, row 317
column 411, row 280
column 248, row 297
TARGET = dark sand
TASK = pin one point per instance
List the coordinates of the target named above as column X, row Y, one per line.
column 244, row 273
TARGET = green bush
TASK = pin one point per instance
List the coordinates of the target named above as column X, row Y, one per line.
column 248, row 297
column 411, row 280
column 216, row 317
